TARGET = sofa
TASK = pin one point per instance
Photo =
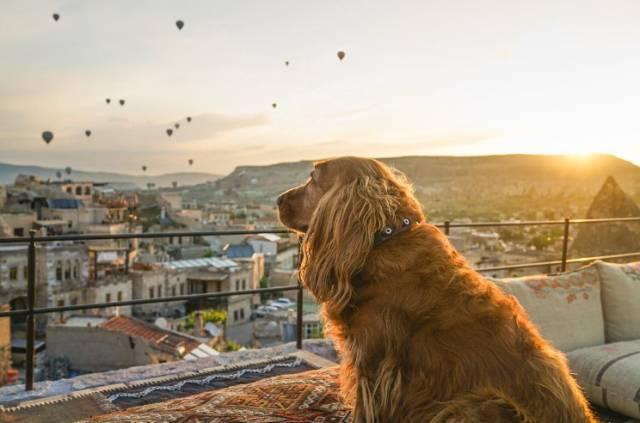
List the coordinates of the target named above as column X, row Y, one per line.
column 593, row 315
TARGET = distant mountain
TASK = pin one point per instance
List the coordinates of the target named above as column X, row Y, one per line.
column 609, row 238
column 474, row 186
column 429, row 171
column 8, row 173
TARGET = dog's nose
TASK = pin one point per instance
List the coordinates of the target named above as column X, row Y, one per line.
column 280, row 199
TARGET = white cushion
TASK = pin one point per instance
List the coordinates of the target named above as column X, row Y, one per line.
column 610, row 375
column 566, row 307
column 620, row 300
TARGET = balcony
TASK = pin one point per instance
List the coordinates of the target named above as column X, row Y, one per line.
column 320, row 350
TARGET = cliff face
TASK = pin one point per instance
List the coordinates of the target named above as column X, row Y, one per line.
column 609, row 238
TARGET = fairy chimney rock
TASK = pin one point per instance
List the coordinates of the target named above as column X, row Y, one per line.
column 609, row 238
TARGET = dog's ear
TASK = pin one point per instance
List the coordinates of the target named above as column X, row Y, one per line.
column 341, row 235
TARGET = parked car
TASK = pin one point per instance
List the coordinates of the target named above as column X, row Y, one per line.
column 283, row 303
column 263, row 310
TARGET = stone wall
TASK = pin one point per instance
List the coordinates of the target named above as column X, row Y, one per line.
column 94, row 349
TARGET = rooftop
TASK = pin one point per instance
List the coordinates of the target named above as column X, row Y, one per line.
column 164, row 339
column 219, row 263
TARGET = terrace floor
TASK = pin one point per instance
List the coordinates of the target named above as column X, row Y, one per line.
column 279, row 384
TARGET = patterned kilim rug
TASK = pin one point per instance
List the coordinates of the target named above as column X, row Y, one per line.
column 94, row 402
column 304, row 397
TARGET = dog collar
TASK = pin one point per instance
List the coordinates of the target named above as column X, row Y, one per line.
column 391, row 231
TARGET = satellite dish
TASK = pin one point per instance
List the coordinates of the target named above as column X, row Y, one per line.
column 212, row 329
column 161, row 322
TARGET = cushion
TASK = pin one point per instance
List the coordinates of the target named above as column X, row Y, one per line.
column 610, row 375
column 566, row 307
column 304, row 397
column 620, row 300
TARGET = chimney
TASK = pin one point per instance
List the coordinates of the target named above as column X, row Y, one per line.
column 198, row 324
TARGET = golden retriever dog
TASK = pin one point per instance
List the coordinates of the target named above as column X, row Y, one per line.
column 422, row 336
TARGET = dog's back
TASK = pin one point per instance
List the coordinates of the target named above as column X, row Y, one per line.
column 427, row 338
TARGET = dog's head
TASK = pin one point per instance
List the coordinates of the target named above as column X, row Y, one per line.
column 340, row 208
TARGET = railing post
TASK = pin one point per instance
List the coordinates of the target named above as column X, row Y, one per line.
column 447, row 227
column 565, row 244
column 31, row 294
column 299, row 311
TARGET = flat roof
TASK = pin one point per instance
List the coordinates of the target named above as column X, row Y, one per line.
column 217, row 262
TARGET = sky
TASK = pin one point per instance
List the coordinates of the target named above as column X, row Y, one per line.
column 420, row 77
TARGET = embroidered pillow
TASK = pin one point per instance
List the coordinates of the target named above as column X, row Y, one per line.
column 565, row 307
column 620, row 300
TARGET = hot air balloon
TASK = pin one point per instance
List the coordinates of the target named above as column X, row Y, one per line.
column 169, row 131
column 87, row 133
column 121, row 102
column 144, row 168
column 341, row 55
column 188, row 118
column 190, row 162
column 286, row 63
column 47, row 136
column 274, row 105
column 179, row 24
column 56, row 17
column 67, row 170
column 59, row 174
column 108, row 100
column 177, row 126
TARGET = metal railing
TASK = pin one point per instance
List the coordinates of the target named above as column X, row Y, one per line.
column 32, row 240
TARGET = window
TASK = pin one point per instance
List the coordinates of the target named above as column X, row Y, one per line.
column 70, row 190
column 237, row 282
column 119, row 295
column 242, row 314
column 173, row 291
column 70, row 224
column 182, row 289
column 87, row 190
column 244, row 284
column 59, row 271
column 180, row 240
column 25, row 272
column 13, row 273
column 67, row 271
column 170, row 240
column 61, row 303
column 151, row 292
column 235, row 315
column 75, row 271
column 74, row 301
column 18, row 231
column 159, row 289
column 107, row 298
column 78, row 190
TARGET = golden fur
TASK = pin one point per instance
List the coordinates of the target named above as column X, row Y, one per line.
column 422, row 336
